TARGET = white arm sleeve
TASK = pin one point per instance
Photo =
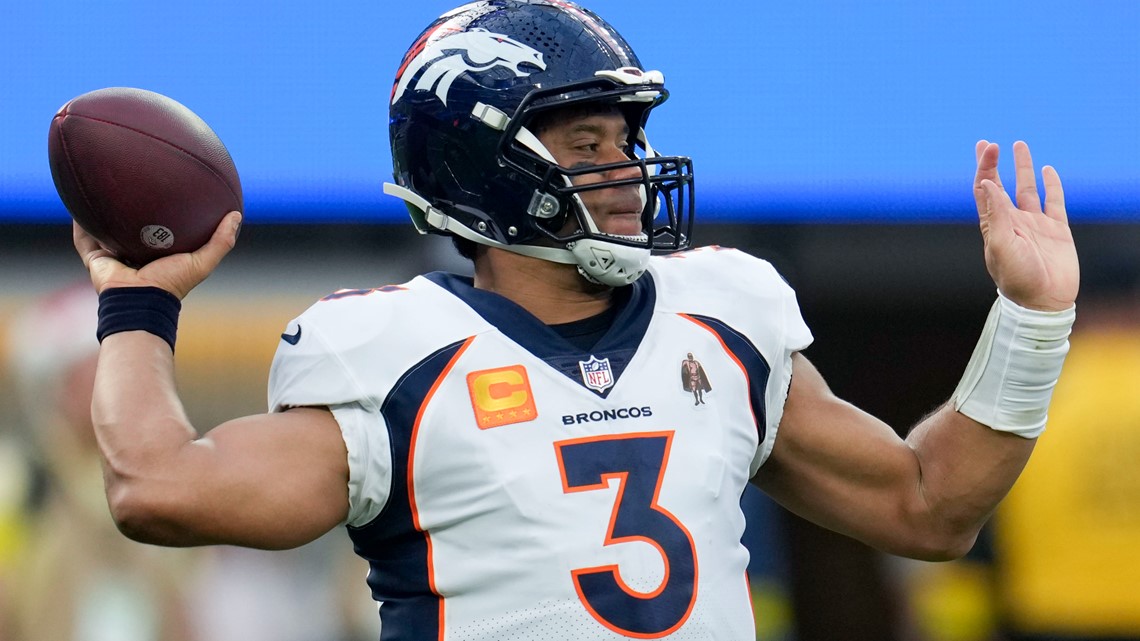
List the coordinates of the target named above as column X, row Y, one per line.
column 369, row 461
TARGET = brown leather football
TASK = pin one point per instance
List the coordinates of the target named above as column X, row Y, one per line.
column 141, row 173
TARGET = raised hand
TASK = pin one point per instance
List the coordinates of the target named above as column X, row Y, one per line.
column 1029, row 249
column 177, row 274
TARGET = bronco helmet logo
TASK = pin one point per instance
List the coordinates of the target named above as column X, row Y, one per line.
column 444, row 60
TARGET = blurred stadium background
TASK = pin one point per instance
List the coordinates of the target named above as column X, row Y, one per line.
column 834, row 139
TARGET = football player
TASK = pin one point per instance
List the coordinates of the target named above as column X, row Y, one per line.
column 511, row 452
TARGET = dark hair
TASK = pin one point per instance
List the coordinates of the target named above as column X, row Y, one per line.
column 464, row 246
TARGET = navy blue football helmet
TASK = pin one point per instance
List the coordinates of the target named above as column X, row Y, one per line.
column 467, row 165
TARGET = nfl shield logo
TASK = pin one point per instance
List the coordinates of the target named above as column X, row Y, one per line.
column 596, row 374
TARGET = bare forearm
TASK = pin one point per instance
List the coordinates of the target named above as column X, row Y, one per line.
column 965, row 468
column 972, row 450
column 924, row 497
column 135, row 407
column 140, row 424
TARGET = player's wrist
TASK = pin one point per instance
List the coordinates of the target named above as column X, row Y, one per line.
column 149, row 309
column 1009, row 380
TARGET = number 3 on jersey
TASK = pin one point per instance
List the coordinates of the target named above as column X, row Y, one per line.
column 638, row 463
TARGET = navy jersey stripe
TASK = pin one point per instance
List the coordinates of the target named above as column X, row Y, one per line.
column 619, row 344
column 396, row 551
column 755, row 365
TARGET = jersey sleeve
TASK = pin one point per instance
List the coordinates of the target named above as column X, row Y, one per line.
column 795, row 337
column 369, row 461
column 311, row 372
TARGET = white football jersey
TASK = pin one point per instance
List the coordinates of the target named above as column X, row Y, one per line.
column 505, row 485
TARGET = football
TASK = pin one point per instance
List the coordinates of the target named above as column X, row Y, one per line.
column 141, row 173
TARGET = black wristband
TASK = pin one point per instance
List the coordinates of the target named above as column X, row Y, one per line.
column 150, row 309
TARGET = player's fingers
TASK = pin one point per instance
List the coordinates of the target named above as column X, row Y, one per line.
column 987, row 154
column 987, row 157
column 1054, row 195
column 103, row 266
column 1027, row 197
column 85, row 244
column 990, row 211
column 225, row 235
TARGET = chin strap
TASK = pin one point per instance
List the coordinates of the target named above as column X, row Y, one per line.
column 597, row 261
column 426, row 218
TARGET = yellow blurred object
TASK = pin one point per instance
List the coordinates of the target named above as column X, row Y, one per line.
column 13, row 493
column 772, row 607
column 953, row 601
column 1067, row 534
